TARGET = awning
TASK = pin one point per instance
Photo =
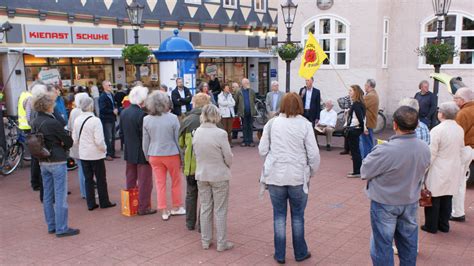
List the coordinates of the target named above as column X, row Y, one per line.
column 72, row 52
column 234, row 53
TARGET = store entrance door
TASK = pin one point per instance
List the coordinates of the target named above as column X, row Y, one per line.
column 263, row 78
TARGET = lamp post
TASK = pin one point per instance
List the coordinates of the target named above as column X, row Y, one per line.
column 135, row 15
column 289, row 12
column 441, row 9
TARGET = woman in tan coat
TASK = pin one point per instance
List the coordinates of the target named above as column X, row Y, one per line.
column 447, row 143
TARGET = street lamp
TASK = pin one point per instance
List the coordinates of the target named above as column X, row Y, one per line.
column 289, row 12
column 135, row 15
column 441, row 9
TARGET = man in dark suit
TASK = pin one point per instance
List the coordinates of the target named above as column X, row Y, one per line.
column 108, row 115
column 311, row 101
column 181, row 97
column 138, row 170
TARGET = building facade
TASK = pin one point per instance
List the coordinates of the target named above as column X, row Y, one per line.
column 377, row 39
column 83, row 39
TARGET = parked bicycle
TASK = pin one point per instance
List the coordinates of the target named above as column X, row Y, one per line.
column 12, row 157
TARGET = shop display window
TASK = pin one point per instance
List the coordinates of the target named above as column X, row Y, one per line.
column 227, row 70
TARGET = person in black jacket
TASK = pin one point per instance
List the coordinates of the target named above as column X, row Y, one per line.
column 428, row 104
column 215, row 86
column 53, row 168
column 138, row 170
column 311, row 104
column 181, row 97
column 108, row 115
column 354, row 127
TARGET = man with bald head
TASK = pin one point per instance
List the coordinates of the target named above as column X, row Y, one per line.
column 464, row 98
column 245, row 103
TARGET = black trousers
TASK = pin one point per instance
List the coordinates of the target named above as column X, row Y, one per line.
column 109, row 137
column 437, row 216
column 191, row 201
column 95, row 168
column 353, row 142
column 346, row 144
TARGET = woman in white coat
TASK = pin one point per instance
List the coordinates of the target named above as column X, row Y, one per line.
column 447, row 143
column 226, row 108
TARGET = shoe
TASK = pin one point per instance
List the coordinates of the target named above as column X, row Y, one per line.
column 279, row 261
column 206, row 246
column 93, row 207
column 109, row 158
column 165, row 215
column 69, row 232
column 243, row 144
column 52, row 231
column 36, row 188
column 110, row 205
column 460, row 219
column 344, row 152
column 232, row 146
column 116, row 157
column 304, row 258
column 251, row 145
column 228, row 245
column 352, row 175
column 180, row 211
column 191, row 228
column 147, row 212
column 328, row 147
column 69, row 192
column 424, row 228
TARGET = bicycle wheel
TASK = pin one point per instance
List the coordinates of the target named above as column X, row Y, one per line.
column 381, row 123
column 13, row 159
column 261, row 117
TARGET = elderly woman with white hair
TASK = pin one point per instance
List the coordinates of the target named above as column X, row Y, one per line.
column 89, row 136
column 74, row 152
column 138, row 170
column 213, row 160
column 160, row 146
column 447, row 143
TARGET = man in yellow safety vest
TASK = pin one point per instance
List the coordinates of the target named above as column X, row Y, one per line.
column 22, row 111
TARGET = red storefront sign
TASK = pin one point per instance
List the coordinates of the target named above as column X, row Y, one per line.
column 67, row 35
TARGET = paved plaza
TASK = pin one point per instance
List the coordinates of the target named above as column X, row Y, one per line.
column 337, row 224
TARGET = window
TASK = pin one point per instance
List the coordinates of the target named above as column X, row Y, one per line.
column 194, row 2
column 459, row 28
column 230, row 3
column 260, row 5
column 332, row 33
column 386, row 28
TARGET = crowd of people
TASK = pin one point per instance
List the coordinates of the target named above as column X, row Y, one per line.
column 180, row 134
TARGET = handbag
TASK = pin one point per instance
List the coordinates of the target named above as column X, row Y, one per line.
column 425, row 195
column 35, row 142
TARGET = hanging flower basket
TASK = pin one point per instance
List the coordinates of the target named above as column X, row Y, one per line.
column 288, row 51
column 136, row 54
column 437, row 53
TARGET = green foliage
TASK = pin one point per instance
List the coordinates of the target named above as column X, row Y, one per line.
column 136, row 54
column 288, row 51
column 437, row 53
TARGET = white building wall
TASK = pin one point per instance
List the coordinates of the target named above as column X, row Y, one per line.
column 16, row 84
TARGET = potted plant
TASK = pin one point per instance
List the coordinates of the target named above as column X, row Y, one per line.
column 136, row 54
column 288, row 51
column 437, row 53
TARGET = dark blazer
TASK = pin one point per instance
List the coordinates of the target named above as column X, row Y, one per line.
column 131, row 125
column 178, row 101
column 56, row 138
column 357, row 109
column 315, row 106
column 106, row 108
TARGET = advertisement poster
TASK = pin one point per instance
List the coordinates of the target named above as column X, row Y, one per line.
column 211, row 70
column 50, row 76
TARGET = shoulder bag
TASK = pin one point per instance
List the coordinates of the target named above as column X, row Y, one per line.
column 35, row 143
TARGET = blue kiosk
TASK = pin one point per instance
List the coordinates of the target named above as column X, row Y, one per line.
column 177, row 58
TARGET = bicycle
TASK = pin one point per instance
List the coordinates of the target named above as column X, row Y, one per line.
column 261, row 118
column 15, row 147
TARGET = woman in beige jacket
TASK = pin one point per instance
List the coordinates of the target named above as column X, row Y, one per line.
column 447, row 143
column 213, row 161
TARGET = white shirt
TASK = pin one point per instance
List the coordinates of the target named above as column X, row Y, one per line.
column 328, row 118
column 183, row 95
column 307, row 103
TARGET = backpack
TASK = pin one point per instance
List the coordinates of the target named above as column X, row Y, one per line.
column 35, row 142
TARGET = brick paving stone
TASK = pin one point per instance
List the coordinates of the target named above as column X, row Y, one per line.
column 337, row 224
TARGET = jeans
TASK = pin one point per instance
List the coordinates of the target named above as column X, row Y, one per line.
column 81, row 178
column 247, row 122
column 191, row 201
column 366, row 143
column 391, row 222
column 280, row 195
column 55, row 196
column 109, row 137
column 353, row 141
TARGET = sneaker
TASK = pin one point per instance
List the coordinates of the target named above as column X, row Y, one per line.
column 279, row 261
column 206, row 246
column 69, row 232
column 165, row 215
column 352, row 175
column 243, row 144
column 304, row 258
column 180, row 211
column 460, row 219
column 228, row 245
column 251, row 144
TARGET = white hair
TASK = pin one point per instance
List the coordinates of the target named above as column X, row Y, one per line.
column 465, row 93
column 274, row 83
column 410, row 102
column 86, row 104
column 79, row 97
column 449, row 110
column 210, row 114
column 38, row 88
column 138, row 95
